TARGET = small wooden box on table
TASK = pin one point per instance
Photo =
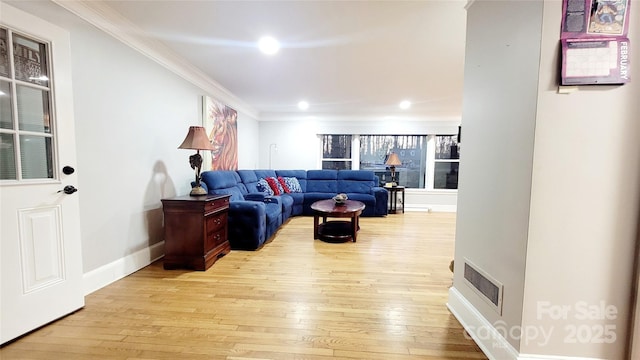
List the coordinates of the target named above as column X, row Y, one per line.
column 195, row 231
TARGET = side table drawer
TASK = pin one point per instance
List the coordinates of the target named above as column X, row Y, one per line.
column 215, row 222
column 216, row 205
column 215, row 239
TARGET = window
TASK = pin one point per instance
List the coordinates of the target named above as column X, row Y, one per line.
column 447, row 162
column 411, row 149
column 428, row 161
column 336, row 152
column 26, row 132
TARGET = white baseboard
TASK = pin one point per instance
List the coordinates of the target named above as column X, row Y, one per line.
column 490, row 341
column 116, row 270
column 553, row 357
column 431, row 208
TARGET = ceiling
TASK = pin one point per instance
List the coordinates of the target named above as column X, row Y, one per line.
column 346, row 58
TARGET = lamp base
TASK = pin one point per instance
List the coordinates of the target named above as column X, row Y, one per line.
column 198, row 191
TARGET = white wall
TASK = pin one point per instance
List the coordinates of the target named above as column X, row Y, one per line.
column 498, row 118
column 131, row 114
column 585, row 203
column 564, row 236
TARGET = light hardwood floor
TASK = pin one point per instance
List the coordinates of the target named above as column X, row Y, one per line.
column 383, row 297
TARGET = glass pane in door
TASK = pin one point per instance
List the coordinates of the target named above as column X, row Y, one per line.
column 7, row 157
column 30, row 59
column 33, row 109
column 36, row 157
column 5, row 68
column 6, row 120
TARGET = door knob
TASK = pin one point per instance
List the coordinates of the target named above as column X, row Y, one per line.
column 69, row 189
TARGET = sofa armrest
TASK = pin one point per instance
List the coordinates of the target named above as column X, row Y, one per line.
column 255, row 197
column 262, row 197
column 247, row 224
column 272, row 199
column 248, row 208
column 382, row 196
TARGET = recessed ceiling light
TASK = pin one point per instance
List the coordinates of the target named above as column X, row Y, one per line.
column 303, row 105
column 268, row 45
column 404, row 105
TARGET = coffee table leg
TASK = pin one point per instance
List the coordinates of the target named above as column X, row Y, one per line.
column 354, row 227
column 315, row 226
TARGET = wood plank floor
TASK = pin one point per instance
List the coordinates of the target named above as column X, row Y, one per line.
column 380, row 298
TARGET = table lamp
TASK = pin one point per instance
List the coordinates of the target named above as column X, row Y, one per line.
column 197, row 140
column 392, row 161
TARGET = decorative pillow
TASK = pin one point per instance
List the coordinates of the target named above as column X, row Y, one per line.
column 275, row 185
column 283, row 184
column 293, row 184
column 263, row 186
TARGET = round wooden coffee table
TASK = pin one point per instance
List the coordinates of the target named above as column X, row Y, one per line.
column 336, row 230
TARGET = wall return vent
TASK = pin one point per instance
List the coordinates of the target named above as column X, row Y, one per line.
column 488, row 288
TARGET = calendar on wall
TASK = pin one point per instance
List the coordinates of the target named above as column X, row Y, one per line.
column 595, row 49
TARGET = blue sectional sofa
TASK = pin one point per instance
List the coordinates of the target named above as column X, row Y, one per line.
column 254, row 216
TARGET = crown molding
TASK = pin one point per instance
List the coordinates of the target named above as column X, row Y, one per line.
column 102, row 16
column 469, row 4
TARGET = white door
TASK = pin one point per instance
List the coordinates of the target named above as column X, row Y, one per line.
column 40, row 255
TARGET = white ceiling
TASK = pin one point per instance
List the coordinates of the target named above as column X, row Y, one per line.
column 346, row 58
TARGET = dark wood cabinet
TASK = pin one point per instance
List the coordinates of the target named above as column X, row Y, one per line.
column 195, row 231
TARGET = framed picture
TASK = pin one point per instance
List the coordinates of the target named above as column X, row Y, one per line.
column 221, row 125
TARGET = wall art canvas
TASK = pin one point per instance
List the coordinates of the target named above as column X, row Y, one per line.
column 221, row 123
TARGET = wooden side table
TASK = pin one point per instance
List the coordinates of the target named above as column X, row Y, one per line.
column 195, row 231
column 393, row 198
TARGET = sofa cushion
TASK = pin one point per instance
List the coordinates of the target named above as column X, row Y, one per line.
column 220, row 179
column 293, row 184
column 248, row 176
column 223, row 182
column 322, row 181
column 322, row 186
column 273, row 183
column 287, row 206
column 264, row 187
column 265, row 173
column 355, row 186
column 300, row 175
column 368, row 200
column 283, row 184
column 236, row 194
column 364, row 175
column 249, row 179
column 322, row 175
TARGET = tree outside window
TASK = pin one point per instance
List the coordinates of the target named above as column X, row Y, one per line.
column 447, row 162
column 336, row 152
column 411, row 149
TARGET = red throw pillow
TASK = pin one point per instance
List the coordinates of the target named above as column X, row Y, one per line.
column 273, row 185
column 284, row 184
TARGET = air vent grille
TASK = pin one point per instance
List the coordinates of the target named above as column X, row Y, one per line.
column 484, row 285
